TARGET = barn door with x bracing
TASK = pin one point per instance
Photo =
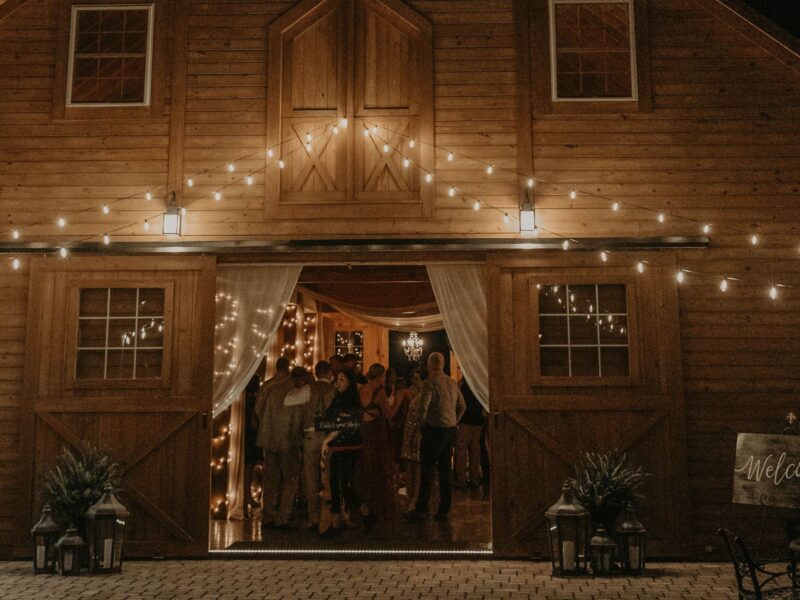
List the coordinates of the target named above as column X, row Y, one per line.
column 585, row 358
column 119, row 352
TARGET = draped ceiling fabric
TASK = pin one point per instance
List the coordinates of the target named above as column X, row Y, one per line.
column 460, row 292
column 420, row 318
column 250, row 306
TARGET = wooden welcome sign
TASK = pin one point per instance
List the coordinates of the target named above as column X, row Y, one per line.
column 767, row 470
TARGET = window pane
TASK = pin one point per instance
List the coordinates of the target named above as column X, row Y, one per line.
column 582, row 331
column 151, row 302
column 592, row 50
column 613, row 330
column 615, row 362
column 553, row 330
column 151, row 333
column 90, row 364
column 121, row 333
column 148, row 364
column 92, row 333
column 585, row 362
column 554, row 362
column 552, row 299
column 93, row 302
column 613, row 298
column 581, row 299
column 123, row 302
column 120, row 364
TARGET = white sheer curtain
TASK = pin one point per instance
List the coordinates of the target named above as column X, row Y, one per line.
column 250, row 305
column 460, row 292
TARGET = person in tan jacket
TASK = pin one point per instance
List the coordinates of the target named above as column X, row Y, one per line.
column 280, row 434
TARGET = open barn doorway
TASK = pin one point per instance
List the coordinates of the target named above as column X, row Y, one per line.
column 363, row 316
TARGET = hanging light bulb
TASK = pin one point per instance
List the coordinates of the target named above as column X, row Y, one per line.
column 450, row 157
column 270, row 153
column 573, row 194
column 640, row 267
column 531, row 182
column 661, row 217
column 706, row 228
column 451, row 191
column 308, row 146
column 366, row 132
column 374, row 130
column 679, row 276
column 190, row 182
column 15, row 234
column 615, row 206
column 604, row 256
column 148, row 196
column 106, row 239
column 217, row 196
column 63, row 252
column 506, row 218
column 231, row 167
column 343, row 122
column 754, row 239
column 476, row 205
column 105, row 209
column 723, row 285
column 565, row 244
column 490, row 169
column 335, row 130
column 773, row 292
column 386, row 148
column 249, row 180
column 281, row 164
column 428, row 177
column 146, row 225
column 61, row 221
column 15, row 264
column 412, row 143
column 406, row 163
column 308, row 137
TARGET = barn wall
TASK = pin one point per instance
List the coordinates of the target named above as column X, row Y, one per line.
column 13, row 311
column 720, row 145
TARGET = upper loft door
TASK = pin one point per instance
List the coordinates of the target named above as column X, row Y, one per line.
column 119, row 351
column 350, row 110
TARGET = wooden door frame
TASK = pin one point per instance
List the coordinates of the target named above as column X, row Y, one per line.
column 33, row 407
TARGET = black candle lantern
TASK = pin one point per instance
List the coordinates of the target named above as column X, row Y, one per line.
column 631, row 535
column 70, row 552
column 44, row 535
column 602, row 549
column 568, row 533
column 106, row 522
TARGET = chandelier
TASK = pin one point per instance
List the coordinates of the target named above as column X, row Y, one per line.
column 412, row 346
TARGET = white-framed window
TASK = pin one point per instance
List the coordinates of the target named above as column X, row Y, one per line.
column 592, row 50
column 120, row 333
column 110, row 55
column 583, row 330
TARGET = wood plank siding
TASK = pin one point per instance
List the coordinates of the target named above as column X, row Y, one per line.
column 718, row 141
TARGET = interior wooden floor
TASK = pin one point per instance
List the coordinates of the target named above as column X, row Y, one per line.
column 468, row 528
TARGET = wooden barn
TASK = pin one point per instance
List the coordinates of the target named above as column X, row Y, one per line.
column 642, row 155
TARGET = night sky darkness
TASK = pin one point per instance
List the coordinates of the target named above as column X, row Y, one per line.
column 785, row 13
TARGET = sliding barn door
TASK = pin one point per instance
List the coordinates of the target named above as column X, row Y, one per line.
column 584, row 358
column 119, row 351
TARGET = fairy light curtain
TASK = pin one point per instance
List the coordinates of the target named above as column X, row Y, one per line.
column 460, row 292
column 250, row 306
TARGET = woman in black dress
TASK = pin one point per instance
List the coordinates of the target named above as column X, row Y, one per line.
column 344, row 448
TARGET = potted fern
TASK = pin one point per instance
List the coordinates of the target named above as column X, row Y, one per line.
column 605, row 482
column 76, row 482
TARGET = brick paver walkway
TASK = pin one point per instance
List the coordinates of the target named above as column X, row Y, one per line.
column 357, row 579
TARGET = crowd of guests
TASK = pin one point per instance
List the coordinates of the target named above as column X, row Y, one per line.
column 356, row 439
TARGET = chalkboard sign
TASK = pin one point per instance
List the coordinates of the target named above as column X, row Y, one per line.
column 767, row 470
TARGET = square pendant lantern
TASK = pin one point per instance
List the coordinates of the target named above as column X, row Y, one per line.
column 527, row 216
column 44, row 534
column 172, row 221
